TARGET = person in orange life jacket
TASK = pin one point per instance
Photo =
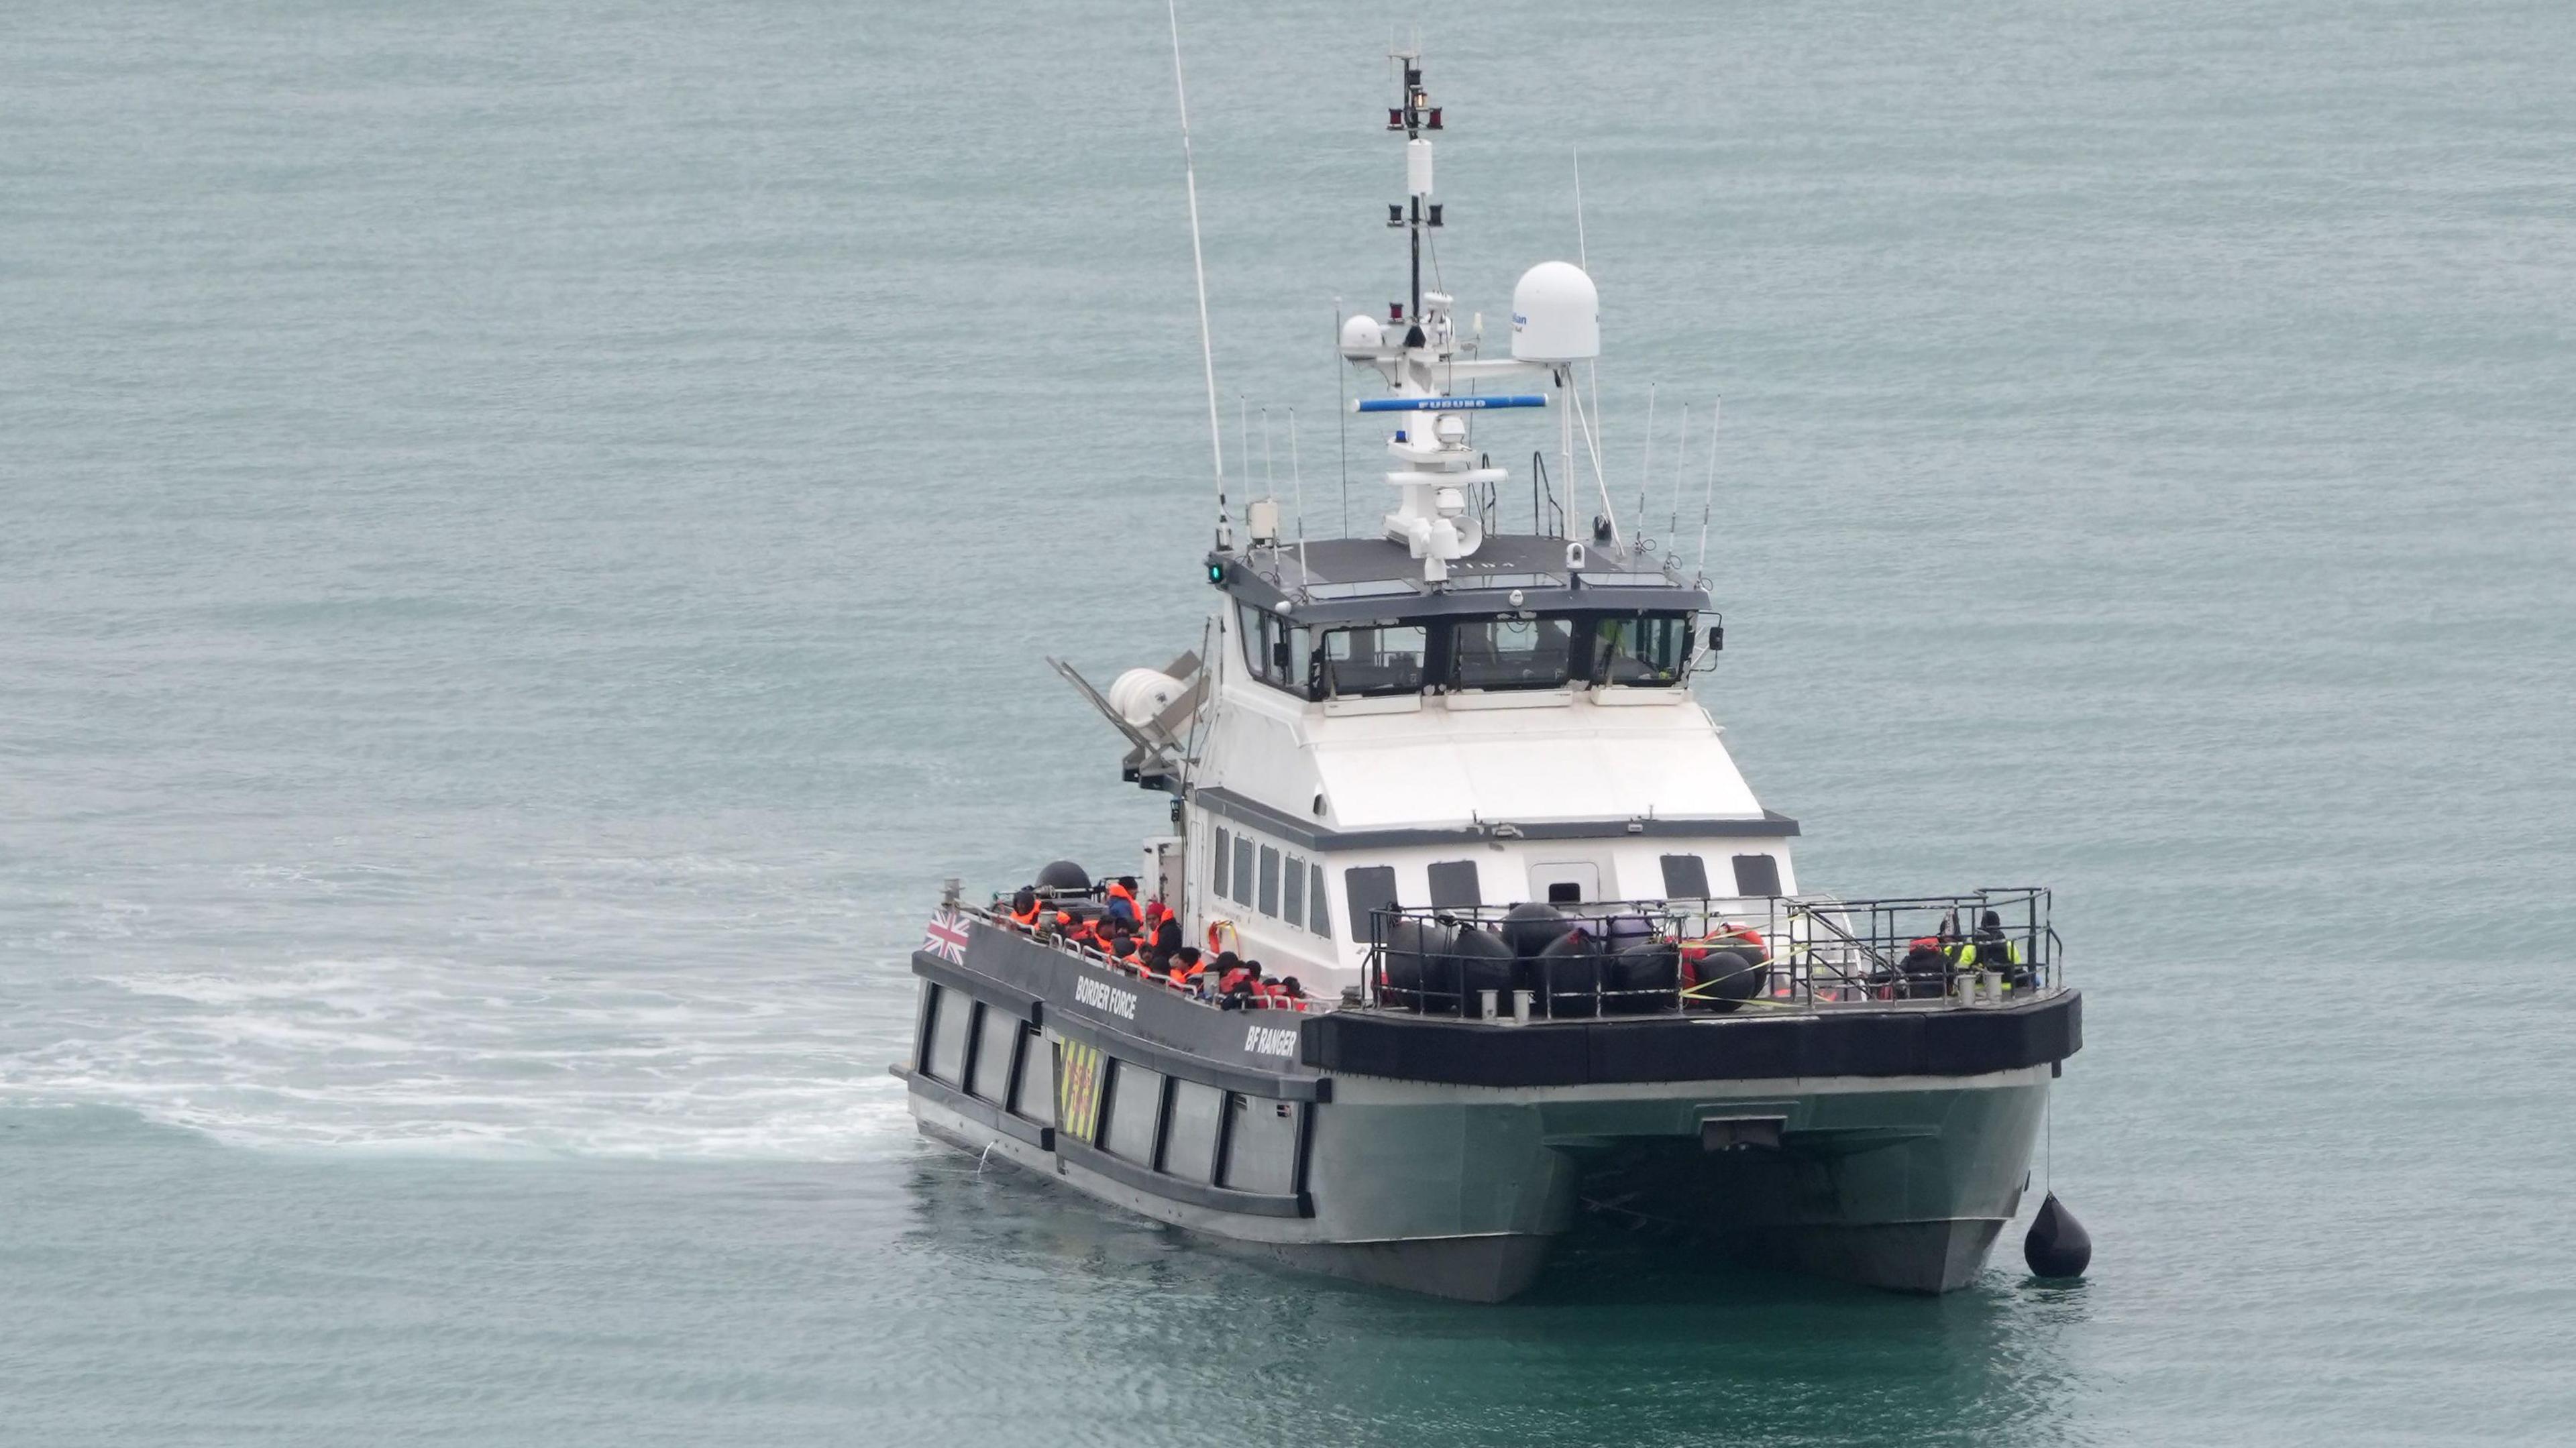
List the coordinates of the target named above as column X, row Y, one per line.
column 1122, row 904
column 1292, row 996
column 1245, row 988
column 1186, row 968
column 1024, row 908
column 1167, row 931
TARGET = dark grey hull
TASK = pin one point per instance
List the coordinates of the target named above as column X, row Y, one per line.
column 1273, row 1146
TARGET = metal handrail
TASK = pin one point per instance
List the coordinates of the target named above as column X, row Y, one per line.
column 1816, row 953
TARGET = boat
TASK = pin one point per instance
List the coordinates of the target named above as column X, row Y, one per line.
column 1553, row 961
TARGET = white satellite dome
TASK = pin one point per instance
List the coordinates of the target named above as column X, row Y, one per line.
column 1362, row 336
column 1556, row 314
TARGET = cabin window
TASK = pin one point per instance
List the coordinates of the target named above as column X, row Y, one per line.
column 1643, row 650
column 1135, row 1108
column 1243, row 872
column 1292, row 892
column 1189, row 1147
column 994, row 1042
column 1261, row 1149
column 1370, row 890
column 1322, row 924
column 1453, row 882
column 1276, row 653
column 1033, row 1094
column 1270, row 881
column 952, row 1017
column 1685, row 877
column 1757, row 875
column 1380, row 660
column 1217, row 872
column 1511, row 653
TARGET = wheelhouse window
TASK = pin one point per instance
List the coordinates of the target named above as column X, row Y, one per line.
column 1277, row 654
column 1641, row 650
column 1269, row 881
column 1322, row 923
column 1376, row 660
column 1217, row 871
column 1511, row 653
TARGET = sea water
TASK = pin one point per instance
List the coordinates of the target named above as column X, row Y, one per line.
column 528, row 537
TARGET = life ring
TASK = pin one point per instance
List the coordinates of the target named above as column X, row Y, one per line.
column 1226, row 927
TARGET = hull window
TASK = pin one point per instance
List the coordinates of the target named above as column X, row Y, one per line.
column 1453, row 882
column 1757, row 875
column 1261, row 1149
column 1322, row 924
column 1189, row 1147
column 1685, row 877
column 952, row 1015
column 1135, row 1107
column 1370, row 890
column 994, row 1043
column 1033, row 1094
column 1217, row 871
column 1269, row 882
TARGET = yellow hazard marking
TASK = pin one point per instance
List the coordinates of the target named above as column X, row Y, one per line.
column 1077, row 1088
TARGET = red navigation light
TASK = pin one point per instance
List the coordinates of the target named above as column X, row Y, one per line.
column 1435, row 118
column 1395, row 311
column 1395, row 118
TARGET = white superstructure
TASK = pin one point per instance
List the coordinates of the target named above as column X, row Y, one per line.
column 1455, row 711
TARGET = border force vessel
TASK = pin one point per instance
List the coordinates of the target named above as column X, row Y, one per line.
column 1548, row 952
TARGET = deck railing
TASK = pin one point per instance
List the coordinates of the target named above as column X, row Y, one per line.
column 1664, row 957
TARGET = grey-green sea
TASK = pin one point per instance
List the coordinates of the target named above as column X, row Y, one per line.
column 528, row 537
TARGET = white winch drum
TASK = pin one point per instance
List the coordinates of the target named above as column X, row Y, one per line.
column 1141, row 695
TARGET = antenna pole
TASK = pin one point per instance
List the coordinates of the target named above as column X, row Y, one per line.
column 1681, row 480
column 1647, row 476
column 1198, row 268
column 1582, row 252
column 1297, row 485
column 1711, row 491
column 1343, row 415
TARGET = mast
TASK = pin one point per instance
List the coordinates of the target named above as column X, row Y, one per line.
column 1413, row 115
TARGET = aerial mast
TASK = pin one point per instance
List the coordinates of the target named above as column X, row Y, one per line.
column 1413, row 116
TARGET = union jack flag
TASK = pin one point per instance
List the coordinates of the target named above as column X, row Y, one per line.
column 947, row 936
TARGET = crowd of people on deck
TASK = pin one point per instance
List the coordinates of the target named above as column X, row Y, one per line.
column 1143, row 938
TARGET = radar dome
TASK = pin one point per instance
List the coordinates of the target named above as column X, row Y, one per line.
column 1362, row 335
column 1556, row 314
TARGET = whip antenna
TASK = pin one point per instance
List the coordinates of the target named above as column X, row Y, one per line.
column 1710, row 493
column 1198, row 268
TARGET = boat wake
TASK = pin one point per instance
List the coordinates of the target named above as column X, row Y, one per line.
column 432, row 1055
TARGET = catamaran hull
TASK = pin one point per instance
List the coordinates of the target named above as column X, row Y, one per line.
column 1464, row 1197
column 1460, row 1188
